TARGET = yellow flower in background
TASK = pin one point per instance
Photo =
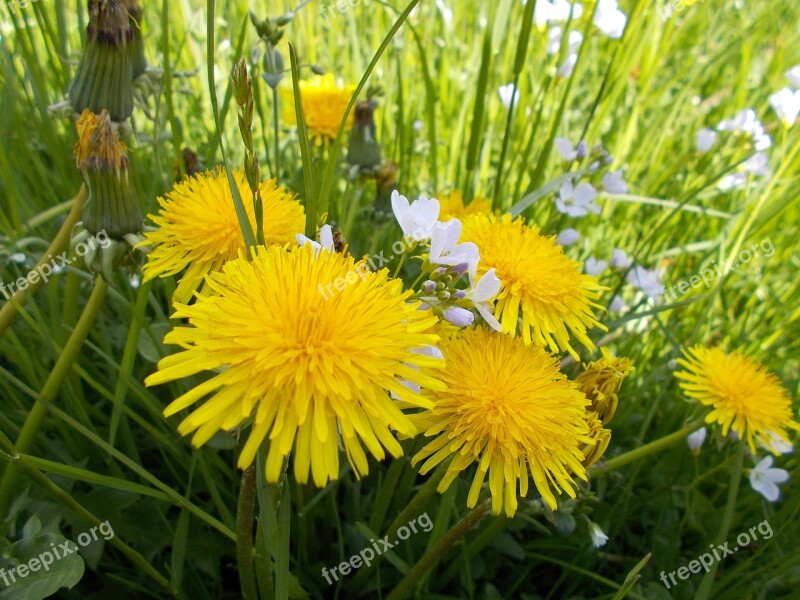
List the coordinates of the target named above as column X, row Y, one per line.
column 507, row 407
column 538, row 281
column 601, row 381
column 324, row 103
column 306, row 368
column 744, row 396
column 452, row 206
column 197, row 227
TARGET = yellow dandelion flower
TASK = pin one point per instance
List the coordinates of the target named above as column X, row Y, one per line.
column 324, row 102
column 507, row 407
column 197, row 227
column 745, row 397
column 307, row 368
column 601, row 438
column 538, row 280
column 451, row 206
column 601, row 381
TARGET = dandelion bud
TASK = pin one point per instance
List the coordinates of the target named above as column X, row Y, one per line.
column 139, row 64
column 364, row 150
column 601, row 381
column 104, row 79
column 112, row 205
column 460, row 317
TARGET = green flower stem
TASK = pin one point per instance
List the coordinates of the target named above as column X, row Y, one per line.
column 437, row 552
column 59, row 244
column 52, row 386
column 65, row 499
column 244, row 534
column 733, row 491
column 646, row 450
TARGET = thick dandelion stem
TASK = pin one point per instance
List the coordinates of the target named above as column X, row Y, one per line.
column 643, row 451
column 244, row 534
column 416, row 573
column 704, row 590
column 52, row 386
column 59, row 244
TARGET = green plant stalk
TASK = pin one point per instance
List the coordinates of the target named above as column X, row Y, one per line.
column 727, row 518
column 643, row 451
column 59, row 244
column 52, row 386
column 437, row 552
column 244, row 533
column 65, row 499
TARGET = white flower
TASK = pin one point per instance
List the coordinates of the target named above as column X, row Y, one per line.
column 758, row 164
column 426, row 351
column 599, row 538
column 618, row 304
column 594, row 266
column 460, row 317
column 417, row 219
column 763, row 479
column 793, row 75
column 481, row 292
column 325, row 240
column 647, row 281
column 706, row 138
column 568, row 67
column 18, row 257
column 696, row 440
column 786, row 104
column 552, row 12
column 620, row 259
column 746, row 122
column 569, row 152
column 506, row 92
column 568, row 237
column 609, row 18
column 445, row 249
column 614, row 184
column 774, row 443
column 554, row 40
column 576, row 201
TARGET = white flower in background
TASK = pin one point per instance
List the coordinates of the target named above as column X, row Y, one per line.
column 706, row 138
column 757, row 165
column 576, row 201
column 609, row 18
column 554, row 40
column 599, row 538
column 772, row 442
column 447, row 12
column 620, row 259
column 763, row 479
column 482, row 292
column 18, row 257
column 786, row 104
column 569, row 152
column 647, row 281
column 614, row 184
column 445, row 249
column 553, row 12
column 325, row 240
column 568, row 67
column 417, row 219
column 618, row 305
column 696, row 440
column 506, row 92
column 594, row 266
column 746, row 122
column 568, row 237
column 793, row 76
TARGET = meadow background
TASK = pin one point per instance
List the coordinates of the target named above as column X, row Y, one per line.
column 107, row 448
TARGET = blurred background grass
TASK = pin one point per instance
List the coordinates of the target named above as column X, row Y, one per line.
column 651, row 92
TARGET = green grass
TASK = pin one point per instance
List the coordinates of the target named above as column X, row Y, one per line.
column 106, row 444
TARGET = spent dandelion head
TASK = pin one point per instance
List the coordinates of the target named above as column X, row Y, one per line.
column 743, row 395
column 539, row 283
column 307, row 370
column 197, row 228
column 507, row 407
